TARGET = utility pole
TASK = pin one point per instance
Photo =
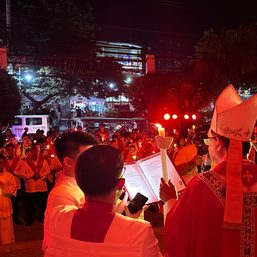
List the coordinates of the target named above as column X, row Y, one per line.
column 8, row 19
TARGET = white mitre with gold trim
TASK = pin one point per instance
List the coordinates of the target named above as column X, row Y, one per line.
column 232, row 117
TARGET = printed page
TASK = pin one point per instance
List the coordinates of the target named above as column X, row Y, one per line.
column 152, row 168
column 136, row 182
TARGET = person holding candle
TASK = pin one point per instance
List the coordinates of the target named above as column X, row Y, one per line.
column 133, row 153
column 12, row 165
column 216, row 214
column 7, row 189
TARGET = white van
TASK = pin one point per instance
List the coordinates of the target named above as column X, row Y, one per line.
column 32, row 122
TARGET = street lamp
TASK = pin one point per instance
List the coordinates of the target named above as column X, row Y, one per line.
column 128, row 80
column 111, row 85
column 28, row 77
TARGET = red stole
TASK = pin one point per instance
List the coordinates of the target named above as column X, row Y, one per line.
column 236, row 243
column 35, row 168
column 92, row 222
column 13, row 166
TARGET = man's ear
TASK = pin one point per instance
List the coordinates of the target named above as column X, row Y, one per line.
column 220, row 146
column 68, row 162
column 120, row 183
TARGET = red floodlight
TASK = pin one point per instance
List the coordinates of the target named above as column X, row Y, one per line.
column 166, row 116
column 174, row 116
column 186, row 116
column 194, row 117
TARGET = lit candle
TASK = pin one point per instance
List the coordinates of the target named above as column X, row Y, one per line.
column 161, row 131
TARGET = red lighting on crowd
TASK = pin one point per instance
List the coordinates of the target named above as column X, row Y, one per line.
column 186, row 116
column 166, row 116
column 174, row 116
column 194, row 117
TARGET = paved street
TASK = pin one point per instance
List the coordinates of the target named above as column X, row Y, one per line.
column 29, row 239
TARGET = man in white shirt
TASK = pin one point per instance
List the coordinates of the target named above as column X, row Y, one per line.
column 66, row 191
column 96, row 229
column 67, row 147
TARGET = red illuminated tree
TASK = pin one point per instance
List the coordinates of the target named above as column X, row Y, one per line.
column 156, row 93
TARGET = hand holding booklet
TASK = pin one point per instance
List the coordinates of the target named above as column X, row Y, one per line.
column 144, row 177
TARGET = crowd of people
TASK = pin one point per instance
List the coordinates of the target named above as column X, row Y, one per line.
column 73, row 181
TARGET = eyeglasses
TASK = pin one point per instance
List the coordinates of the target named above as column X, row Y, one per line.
column 207, row 140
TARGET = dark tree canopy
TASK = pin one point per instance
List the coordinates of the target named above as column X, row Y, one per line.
column 52, row 27
column 234, row 52
column 157, row 93
column 10, row 100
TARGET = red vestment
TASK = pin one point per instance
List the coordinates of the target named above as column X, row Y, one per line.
column 194, row 226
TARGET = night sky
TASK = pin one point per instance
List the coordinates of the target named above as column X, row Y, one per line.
column 148, row 21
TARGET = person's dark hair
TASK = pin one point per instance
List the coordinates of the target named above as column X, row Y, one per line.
column 98, row 170
column 114, row 136
column 34, row 146
column 25, row 135
column 8, row 130
column 9, row 145
column 49, row 133
column 27, row 150
column 68, row 144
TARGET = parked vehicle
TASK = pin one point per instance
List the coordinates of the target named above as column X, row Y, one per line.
column 32, row 122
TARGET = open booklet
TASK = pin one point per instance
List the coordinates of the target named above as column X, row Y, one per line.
column 144, row 177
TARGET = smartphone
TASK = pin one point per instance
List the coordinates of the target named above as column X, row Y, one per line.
column 137, row 203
